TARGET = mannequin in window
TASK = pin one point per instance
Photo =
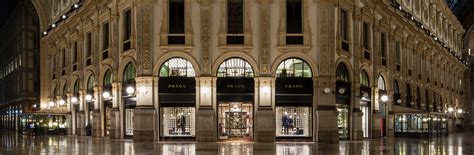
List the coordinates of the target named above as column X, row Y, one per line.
column 284, row 124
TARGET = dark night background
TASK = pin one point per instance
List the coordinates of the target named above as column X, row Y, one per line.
column 6, row 6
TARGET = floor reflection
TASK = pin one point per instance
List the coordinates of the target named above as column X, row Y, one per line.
column 13, row 143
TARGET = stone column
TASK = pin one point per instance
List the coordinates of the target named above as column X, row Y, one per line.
column 80, row 116
column 357, row 133
column 206, row 115
column 115, row 130
column 96, row 115
column 265, row 115
column 376, row 117
column 389, row 117
column 69, row 117
column 144, row 113
column 325, row 116
column 326, row 113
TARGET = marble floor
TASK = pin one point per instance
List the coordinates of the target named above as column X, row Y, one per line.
column 17, row 144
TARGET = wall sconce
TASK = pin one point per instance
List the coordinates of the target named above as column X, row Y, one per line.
column 450, row 109
column 205, row 90
column 130, row 90
column 384, row 98
column 51, row 103
column 106, row 95
column 459, row 111
column 74, row 100
column 327, row 90
column 89, row 97
column 399, row 101
column 62, row 102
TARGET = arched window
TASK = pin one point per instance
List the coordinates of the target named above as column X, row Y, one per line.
column 235, row 67
column 177, row 67
column 76, row 88
column 381, row 83
column 364, row 79
column 129, row 73
column 396, row 88
column 293, row 67
column 341, row 73
column 90, row 84
column 108, row 78
column 64, row 90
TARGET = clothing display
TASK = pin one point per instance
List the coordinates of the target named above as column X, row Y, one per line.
column 178, row 121
column 294, row 121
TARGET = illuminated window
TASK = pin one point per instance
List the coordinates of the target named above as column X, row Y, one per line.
column 235, row 67
column 293, row 67
column 177, row 67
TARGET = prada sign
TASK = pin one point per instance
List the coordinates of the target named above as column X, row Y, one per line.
column 177, row 85
column 294, row 91
column 294, row 86
column 235, row 89
column 177, row 91
column 235, row 85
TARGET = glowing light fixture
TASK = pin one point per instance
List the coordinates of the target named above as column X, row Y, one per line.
column 130, row 90
column 384, row 98
column 89, row 97
column 106, row 95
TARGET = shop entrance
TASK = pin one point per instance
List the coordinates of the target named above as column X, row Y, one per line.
column 235, row 121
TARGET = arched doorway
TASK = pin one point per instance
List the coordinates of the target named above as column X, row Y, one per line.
column 365, row 102
column 177, row 99
column 408, row 96
column 235, row 100
column 129, row 97
column 90, row 104
column 380, row 104
column 107, row 100
column 343, row 100
column 294, row 99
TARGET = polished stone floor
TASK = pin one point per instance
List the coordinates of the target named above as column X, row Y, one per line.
column 16, row 144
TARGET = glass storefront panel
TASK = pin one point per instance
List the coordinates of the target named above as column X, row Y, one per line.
column 235, row 120
column 292, row 121
column 129, row 122
column 365, row 121
column 178, row 121
column 342, row 122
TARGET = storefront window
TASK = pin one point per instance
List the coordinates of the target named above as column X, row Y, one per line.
column 342, row 122
column 178, row 121
column 177, row 67
column 292, row 121
column 129, row 122
column 293, row 67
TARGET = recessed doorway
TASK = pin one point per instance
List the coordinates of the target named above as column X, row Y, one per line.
column 235, row 121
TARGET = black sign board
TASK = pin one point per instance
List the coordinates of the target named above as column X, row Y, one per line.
column 235, row 89
column 235, row 85
column 294, row 86
column 294, row 91
column 177, row 91
column 177, row 85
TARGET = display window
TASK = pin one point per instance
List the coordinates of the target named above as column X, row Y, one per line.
column 129, row 122
column 293, row 121
column 342, row 123
column 178, row 121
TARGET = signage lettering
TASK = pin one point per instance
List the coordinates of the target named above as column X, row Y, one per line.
column 235, row 86
column 178, row 86
column 293, row 86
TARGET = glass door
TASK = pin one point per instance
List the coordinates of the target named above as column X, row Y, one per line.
column 235, row 121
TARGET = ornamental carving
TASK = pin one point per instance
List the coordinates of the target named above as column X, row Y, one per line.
column 327, row 40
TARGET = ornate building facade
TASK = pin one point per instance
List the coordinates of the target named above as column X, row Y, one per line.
column 19, row 71
column 256, row 70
